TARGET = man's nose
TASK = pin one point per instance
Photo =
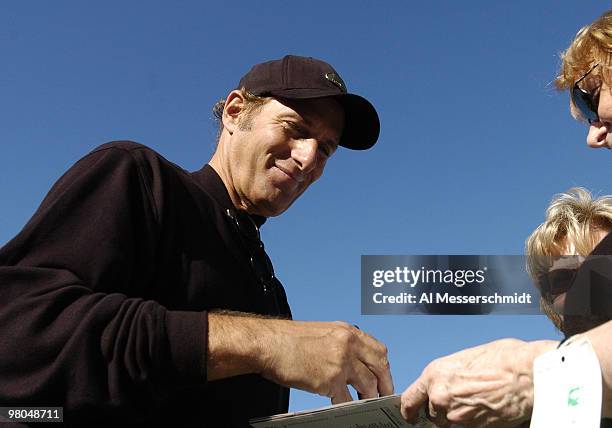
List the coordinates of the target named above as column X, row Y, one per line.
column 304, row 153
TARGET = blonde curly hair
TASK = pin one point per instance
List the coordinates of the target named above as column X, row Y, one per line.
column 592, row 45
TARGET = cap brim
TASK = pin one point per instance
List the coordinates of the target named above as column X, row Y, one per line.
column 361, row 123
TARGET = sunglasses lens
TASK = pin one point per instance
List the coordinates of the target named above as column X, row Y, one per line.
column 558, row 281
column 584, row 102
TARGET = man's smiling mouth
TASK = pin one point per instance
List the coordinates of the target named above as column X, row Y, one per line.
column 298, row 178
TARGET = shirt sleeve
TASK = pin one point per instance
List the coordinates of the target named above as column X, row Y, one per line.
column 74, row 331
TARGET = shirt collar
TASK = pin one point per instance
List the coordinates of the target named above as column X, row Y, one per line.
column 209, row 180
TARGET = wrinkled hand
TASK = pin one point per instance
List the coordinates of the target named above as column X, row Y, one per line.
column 326, row 357
column 489, row 385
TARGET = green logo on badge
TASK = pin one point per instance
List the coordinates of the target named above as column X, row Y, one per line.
column 572, row 397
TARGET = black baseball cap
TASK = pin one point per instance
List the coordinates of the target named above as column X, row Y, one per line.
column 298, row 77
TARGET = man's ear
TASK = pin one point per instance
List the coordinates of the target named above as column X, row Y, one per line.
column 234, row 105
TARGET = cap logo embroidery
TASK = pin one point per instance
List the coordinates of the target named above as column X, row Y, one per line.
column 336, row 80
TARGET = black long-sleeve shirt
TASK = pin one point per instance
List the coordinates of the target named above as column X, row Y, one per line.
column 104, row 293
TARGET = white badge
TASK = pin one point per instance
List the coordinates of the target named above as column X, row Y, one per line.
column 567, row 387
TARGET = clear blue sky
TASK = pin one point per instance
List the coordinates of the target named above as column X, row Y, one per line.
column 474, row 143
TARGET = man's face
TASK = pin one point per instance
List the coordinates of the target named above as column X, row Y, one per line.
column 279, row 150
column 600, row 132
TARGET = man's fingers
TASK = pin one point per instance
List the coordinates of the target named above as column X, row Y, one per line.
column 412, row 399
column 342, row 395
column 374, row 355
column 364, row 381
column 385, row 382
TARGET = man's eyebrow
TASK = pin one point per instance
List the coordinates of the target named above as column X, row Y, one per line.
column 296, row 117
column 292, row 117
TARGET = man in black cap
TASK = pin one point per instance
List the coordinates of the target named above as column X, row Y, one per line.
column 140, row 293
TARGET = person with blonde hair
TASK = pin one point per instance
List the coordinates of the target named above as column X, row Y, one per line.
column 576, row 224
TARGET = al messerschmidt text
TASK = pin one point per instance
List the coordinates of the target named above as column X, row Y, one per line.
column 409, row 298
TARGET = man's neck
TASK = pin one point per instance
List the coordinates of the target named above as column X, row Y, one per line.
column 219, row 162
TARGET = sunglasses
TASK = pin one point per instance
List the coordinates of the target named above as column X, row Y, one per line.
column 585, row 101
column 556, row 282
column 259, row 260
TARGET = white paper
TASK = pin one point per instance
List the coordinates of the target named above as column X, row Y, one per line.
column 381, row 412
column 567, row 387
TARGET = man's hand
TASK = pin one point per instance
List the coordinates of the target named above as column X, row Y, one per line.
column 489, row 385
column 324, row 358
column 320, row 357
